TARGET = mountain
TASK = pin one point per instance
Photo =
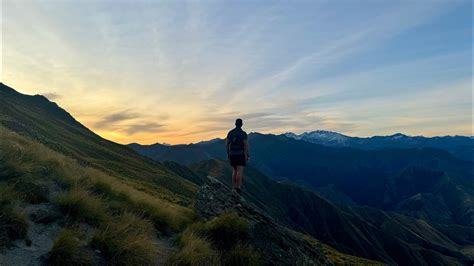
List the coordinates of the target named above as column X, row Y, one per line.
column 388, row 179
column 184, row 154
column 321, row 137
column 362, row 231
column 460, row 146
column 45, row 122
column 68, row 196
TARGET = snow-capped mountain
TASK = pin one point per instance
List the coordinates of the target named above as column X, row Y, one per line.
column 321, row 137
column 460, row 146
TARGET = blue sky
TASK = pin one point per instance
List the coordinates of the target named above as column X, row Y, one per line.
column 182, row 71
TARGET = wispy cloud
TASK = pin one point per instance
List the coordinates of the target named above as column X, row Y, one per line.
column 183, row 71
column 51, row 96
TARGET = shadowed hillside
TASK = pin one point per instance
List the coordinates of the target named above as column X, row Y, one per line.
column 43, row 121
column 410, row 181
column 67, row 196
column 366, row 232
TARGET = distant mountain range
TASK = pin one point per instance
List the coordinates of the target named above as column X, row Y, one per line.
column 409, row 206
column 460, row 146
column 421, row 182
column 372, row 233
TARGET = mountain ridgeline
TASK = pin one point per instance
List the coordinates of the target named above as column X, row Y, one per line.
column 460, row 146
column 386, row 194
column 69, row 196
column 403, row 180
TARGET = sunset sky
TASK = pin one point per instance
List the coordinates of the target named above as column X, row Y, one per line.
column 180, row 72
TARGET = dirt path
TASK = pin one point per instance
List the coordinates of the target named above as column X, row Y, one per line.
column 42, row 237
column 167, row 248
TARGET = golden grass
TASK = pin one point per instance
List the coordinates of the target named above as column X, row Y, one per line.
column 68, row 250
column 127, row 240
column 124, row 211
column 226, row 230
column 26, row 157
column 13, row 225
column 81, row 206
column 220, row 241
column 242, row 254
column 194, row 250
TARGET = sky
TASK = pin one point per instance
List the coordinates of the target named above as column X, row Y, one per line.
column 183, row 71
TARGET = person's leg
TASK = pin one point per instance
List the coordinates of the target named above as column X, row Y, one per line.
column 240, row 171
column 234, row 176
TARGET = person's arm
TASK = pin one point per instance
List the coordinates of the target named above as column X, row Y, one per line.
column 246, row 149
column 227, row 145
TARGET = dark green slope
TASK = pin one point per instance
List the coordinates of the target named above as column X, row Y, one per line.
column 45, row 122
column 365, row 232
column 388, row 179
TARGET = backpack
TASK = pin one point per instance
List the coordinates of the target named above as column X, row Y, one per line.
column 237, row 142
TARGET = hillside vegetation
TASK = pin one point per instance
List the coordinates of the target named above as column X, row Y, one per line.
column 70, row 197
column 125, row 218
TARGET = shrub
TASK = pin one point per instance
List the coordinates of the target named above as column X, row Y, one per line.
column 127, row 240
column 194, row 250
column 79, row 205
column 68, row 250
column 242, row 254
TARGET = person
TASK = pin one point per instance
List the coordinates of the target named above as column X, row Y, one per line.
column 238, row 153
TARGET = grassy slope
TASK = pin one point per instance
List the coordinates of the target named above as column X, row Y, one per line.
column 45, row 122
column 124, row 216
column 47, row 157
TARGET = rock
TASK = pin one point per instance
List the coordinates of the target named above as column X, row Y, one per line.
column 277, row 244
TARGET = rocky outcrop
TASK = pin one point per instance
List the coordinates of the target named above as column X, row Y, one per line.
column 277, row 244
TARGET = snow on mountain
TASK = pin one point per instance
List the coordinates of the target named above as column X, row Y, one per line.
column 320, row 136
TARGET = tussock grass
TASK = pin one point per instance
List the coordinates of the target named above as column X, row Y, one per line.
column 68, row 250
column 13, row 225
column 127, row 240
column 21, row 156
column 30, row 191
column 7, row 195
column 225, row 230
column 163, row 214
column 80, row 206
column 242, row 254
column 194, row 250
column 220, row 241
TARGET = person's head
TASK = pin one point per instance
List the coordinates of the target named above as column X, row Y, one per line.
column 238, row 122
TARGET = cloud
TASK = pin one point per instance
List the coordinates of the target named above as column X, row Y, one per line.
column 51, row 96
column 115, row 118
column 130, row 123
column 278, row 66
column 143, row 128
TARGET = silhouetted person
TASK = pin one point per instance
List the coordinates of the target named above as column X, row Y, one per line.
column 237, row 152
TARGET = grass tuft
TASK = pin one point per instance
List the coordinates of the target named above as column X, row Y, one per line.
column 12, row 224
column 194, row 250
column 127, row 240
column 226, row 230
column 242, row 254
column 81, row 206
column 68, row 250
column 30, row 191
